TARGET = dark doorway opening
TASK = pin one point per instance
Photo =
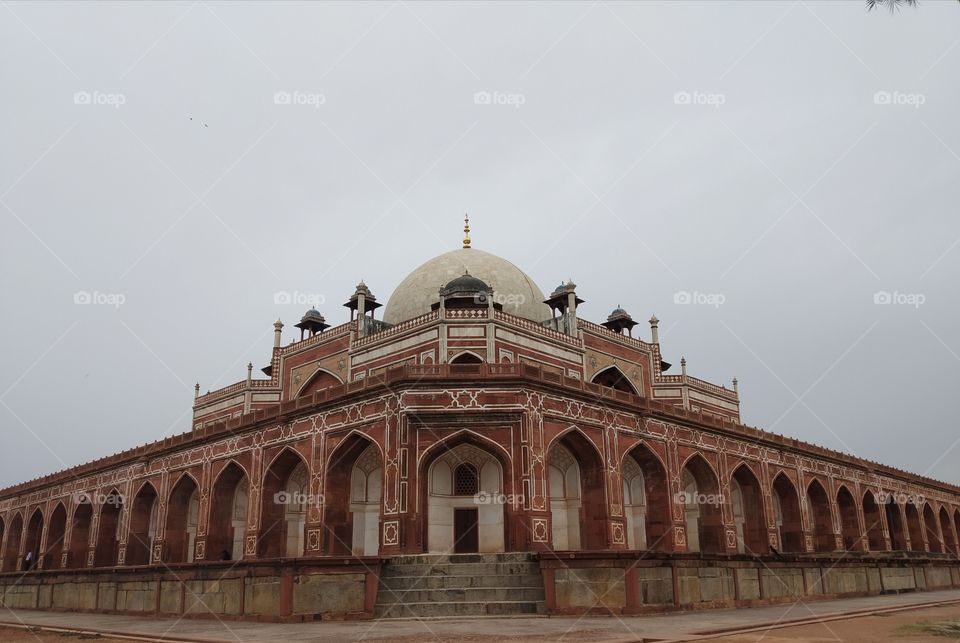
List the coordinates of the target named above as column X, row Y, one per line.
column 466, row 538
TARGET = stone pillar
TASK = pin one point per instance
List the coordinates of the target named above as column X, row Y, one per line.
column 254, row 501
column 654, row 330
column 677, row 507
column 905, row 525
column 277, row 333
column 203, row 514
column 571, row 309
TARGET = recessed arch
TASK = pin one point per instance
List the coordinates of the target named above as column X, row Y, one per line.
column 649, row 525
column 283, row 505
column 931, row 528
column 56, row 533
column 12, row 553
column 787, row 517
column 227, row 526
column 612, row 377
column 346, row 531
column 108, row 530
column 914, row 525
column 748, row 512
column 849, row 520
column 873, row 522
column 949, row 537
column 143, row 525
column 467, row 357
column 320, row 379
column 183, row 515
column 821, row 517
column 34, row 537
column 80, row 536
column 898, row 534
column 702, row 505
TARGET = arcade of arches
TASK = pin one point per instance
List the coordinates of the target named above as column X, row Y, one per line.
column 469, row 503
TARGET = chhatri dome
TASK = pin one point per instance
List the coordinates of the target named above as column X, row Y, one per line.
column 512, row 287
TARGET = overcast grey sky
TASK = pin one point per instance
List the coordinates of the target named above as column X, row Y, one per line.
column 735, row 152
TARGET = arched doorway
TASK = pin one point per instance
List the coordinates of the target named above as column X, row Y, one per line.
column 702, row 507
column 12, row 552
column 143, row 526
column 873, row 521
column 352, row 522
column 949, row 538
column 786, row 510
column 227, row 527
column 320, row 380
column 931, row 526
column 821, row 518
column 34, row 538
column 183, row 512
column 613, row 377
column 55, row 535
column 849, row 520
column 914, row 526
column 898, row 536
column 467, row 358
column 577, row 494
column 283, row 513
column 648, row 523
column 108, row 531
column 80, row 534
column 748, row 513
column 465, row 502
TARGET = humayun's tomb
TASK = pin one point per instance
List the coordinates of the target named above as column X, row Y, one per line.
column 476, row 449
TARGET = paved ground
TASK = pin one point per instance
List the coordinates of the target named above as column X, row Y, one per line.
column 665, row 627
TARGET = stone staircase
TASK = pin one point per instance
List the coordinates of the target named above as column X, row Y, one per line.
column 431, row 586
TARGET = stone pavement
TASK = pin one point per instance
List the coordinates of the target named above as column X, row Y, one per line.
column 596, row 628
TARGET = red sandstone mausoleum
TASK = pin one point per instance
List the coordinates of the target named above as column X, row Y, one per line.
column 481, row 431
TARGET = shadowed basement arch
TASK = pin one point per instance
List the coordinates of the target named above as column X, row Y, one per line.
column 80, row 535
column 338, row 519
column 12, row 552
column 228, row 514
column 583, row 477
column 898, row 537
column 821, row 526
column 105, row 554
column 182, row 514
column 143, row 526
column 702, row 507
column 849, row 521
column 34, row 538
column 949, row 538
column 930, row 524
column 751, row 522
column 657, row 523
column 55, row 535
column 914, row 526
column 873, row 521
column 283, row 504
column 787, row 512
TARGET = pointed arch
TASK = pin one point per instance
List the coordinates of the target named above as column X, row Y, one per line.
column 108, row 536
column 183, row 515
column 346, row 530
column 914, row 526
column 12, row 554
column 34, row 537
column 821, row 517
column 898, row 534
column 931, row 528
column 283, row 506
column 80, row 535
column 786, row 508
column 654, row 523
column 612, row 377
column 56, row 533
column 435, row 473
column 143, row 525
column 873, row 522
column 748, row 512
column 949, row 538
column 849, row 520
column 467, row 357
column 227, row 524
column 320, row 379
column 702, row 505
column 583, row 515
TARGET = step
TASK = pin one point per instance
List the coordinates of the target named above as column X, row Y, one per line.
column 443, row 581
column 428, row 610
column 462, row 595
column 460, row 569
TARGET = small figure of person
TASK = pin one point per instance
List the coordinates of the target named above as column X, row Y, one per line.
column 28, row 561
column 225, row 555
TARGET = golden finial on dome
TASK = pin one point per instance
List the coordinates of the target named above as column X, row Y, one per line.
column 466, row 230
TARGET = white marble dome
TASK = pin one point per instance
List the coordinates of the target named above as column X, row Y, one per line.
column 516, row 291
